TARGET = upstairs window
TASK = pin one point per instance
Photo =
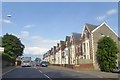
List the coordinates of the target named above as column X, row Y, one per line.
column 102, row 35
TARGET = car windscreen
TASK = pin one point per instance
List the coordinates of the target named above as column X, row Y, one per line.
column 44, row 62
column 26, row 61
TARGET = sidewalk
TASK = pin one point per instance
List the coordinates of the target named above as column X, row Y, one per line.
column 95, row 73
column 6, row 69
column 102, row 74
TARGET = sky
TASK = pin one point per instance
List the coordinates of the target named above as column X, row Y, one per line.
column 41, row 25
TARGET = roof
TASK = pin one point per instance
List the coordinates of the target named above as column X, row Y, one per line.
column 76, row 37
column 91, row 27
column 62, row 42
column 106, row 26
column 67, row 38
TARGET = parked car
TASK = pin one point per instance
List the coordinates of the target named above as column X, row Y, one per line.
column 44, row 64
column 116, row 70
column 37, row 63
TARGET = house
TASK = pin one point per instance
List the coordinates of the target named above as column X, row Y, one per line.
column 119, row 51
column 45, row 57
column 74, row 45
column 67, row 50
column 89, row 39
column 62, row 47
column 54, row 53
column 58, row 55
column 79, row 50
column 51, row 56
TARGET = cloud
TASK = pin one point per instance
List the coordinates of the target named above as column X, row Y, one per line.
column 6, row 21
column 112, row 11
column 15, row 35
column 36, row 38
column 36, row 45
column 42, row 42
column 101, row 17
column 29, row 26
column 35, row 50
column 24, row 34
column 107, row 13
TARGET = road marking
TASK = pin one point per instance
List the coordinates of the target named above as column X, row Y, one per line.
column 40, row 71
column 47, row 76
column 8, row 71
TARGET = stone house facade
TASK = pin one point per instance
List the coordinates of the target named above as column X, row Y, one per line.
column 80, row 49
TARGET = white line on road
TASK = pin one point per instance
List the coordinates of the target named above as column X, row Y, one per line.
column 47, row 76
column 40, row 71
column 8, row 71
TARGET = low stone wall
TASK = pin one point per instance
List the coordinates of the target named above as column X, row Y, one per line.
column 77, row 67
column 55, row 64
column 81, row 66
column 69, row 66
column 85, row 64
column 6, row 64
column 86, row 61
column 86, row 67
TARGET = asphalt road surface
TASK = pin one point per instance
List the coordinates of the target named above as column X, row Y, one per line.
column 48, row 73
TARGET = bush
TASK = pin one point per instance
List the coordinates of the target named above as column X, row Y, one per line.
column 107, row 54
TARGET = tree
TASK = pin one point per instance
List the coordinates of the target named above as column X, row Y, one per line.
column 37, row 59
column 12, row 46
column 107, row 54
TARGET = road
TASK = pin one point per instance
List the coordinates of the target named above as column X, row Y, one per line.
column 49, row 73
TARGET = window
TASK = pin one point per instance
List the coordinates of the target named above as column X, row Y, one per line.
column 88, row 56
column 81, row 57
column 84, row 47
column 102, row 35
column 84, row 56
column 66, row 52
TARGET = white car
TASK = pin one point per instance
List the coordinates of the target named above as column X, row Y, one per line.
column 26, row 64
column 116, row 70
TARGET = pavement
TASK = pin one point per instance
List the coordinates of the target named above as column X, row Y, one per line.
column 6, row 69
column 95, row 73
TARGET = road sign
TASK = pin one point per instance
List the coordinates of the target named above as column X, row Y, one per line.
column 1, row 49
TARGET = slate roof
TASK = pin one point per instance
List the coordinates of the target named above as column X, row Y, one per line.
column 62, row 42
column 76, row 37
column 67, row 38
column 91, row 27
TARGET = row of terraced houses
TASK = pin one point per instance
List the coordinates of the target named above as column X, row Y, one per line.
column 78, row 51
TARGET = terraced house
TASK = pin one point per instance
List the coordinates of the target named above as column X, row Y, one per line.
column 79, row 50
column 58, row 55
column 67, row 50
column 74, row 43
